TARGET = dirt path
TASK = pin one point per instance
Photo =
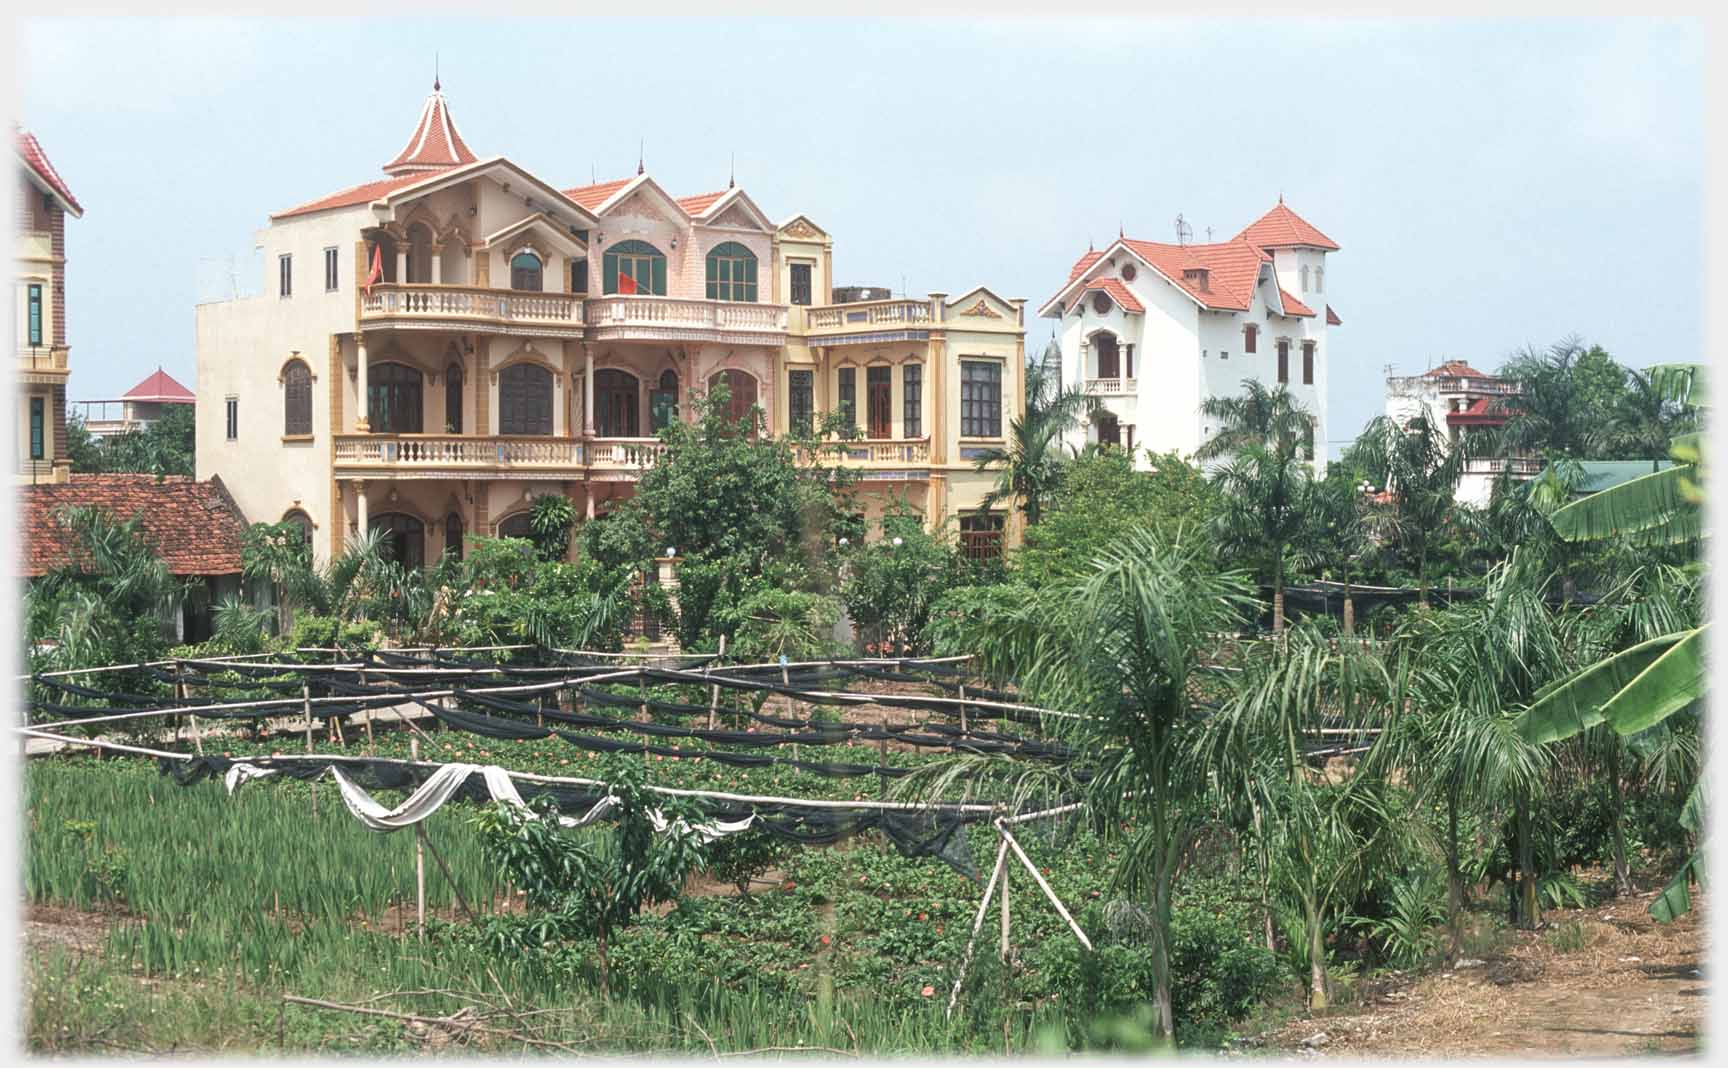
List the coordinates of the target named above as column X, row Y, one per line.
column 1600, row 982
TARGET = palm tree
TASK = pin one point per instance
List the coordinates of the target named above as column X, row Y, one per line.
column 1266, row 492
column 1123, row 646
column 1647, row 418
column 106, row 605
column 1271, row 418
column 1549, row 414
column 1420, row 468
column 1031, row 464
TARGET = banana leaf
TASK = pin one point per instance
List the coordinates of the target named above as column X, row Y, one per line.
column 1631, row 690
column 1676, row 898
column 1651, row 509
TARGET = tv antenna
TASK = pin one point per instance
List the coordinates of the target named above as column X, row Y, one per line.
column 1184, row 232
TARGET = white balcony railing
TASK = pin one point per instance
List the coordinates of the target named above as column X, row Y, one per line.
column 469, row 303
column 868, row 314
column 1111, row 387
column 437, row 451
column 648, row 314
column 1520, row 467
column 625, row 452
column 903, row 452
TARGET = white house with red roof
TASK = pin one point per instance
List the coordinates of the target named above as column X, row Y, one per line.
column 1461, row 402
column 39, row 314
column 1153, row 330
column 436, row 347
column 137, row 408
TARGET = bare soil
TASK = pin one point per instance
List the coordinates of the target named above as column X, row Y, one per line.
column 1607, row 981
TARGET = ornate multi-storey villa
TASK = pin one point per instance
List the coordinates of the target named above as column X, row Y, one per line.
column 44, row 201
column 438, row 346
column 1461, row 402
column 1154, row 330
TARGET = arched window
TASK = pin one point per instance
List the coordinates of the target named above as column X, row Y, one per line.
column 525, row 272
column 741, row 389
column 302, row 522
column 393, row 404
column 616, row 414
column 453, row 399
column 1109, row 355
column 453, row 536
column 663, row 402
column 1109, row 429
column 519, row 525
column 525, row 399
column 732, row 273
column 1319, row 279
column 640, row 266
column 404, row 538
column 297, row 399
column 1304, row 279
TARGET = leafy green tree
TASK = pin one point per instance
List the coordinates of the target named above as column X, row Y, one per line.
column 108, row 604
column 768, row 623
column 278, row 553
column 550, row 518
column 1269, row 418
column 891, row 584
column 165, row 447
column 1266, row 492
column 1099, row 499
column 83, row 448
column 593, row 884
column 1030, row 466
column 1124, row 646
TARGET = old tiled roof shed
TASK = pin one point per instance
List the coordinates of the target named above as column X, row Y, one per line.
column 195, row 526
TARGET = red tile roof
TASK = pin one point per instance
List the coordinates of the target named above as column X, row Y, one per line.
column 1082, row 263
column 194, row 526
column 1455, row 369
column 359, row 194
column 1281, row 227
column 1232, row 268
column 696, row 205
column 30, row 151
column 1483, row 411
column 592, row 196
column 162, row 388
column 1118, row 292
column 1332, row 317
column 1292, row 306
column 434, row 144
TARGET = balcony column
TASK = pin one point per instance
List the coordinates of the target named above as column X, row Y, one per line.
column 588, row 393
column 437, row 267
column 401, row 265
column 361, row 406
column 361, row 513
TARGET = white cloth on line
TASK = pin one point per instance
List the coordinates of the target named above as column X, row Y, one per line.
column 442, row 785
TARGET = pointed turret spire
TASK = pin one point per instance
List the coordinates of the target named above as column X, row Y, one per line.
column 639, row 156
column 434, row 145
column 435, row 86
column 732, row 172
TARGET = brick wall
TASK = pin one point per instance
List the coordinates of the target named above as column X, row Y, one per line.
column 59, row 406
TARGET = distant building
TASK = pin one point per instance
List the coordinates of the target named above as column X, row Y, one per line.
column 39, row 339
column 1461, row 401
column 194, row 527
column 138, row 407
column 1154, row 330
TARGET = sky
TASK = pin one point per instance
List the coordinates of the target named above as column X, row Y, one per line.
column 1493, row 183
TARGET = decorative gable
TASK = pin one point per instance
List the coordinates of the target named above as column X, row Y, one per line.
column 801, row 228
column 736, row 216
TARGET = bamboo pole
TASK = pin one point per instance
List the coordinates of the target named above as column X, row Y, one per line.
column 419, row 856
column 996, row 873
column 1003, row 952
column 713, row 690
column 367, row 711
column 306, row 702
column 1042, row 885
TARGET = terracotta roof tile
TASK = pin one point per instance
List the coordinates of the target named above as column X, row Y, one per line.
column 1455, row 369
column 1082, row 263
column 359, row 194
column 1282, row 228
column 30, row 151
column 1294, row 307
column 160, row 387
column 194, row 526
column 1483, row 411
column 1231, row 270
column 1118, row 292
column 592, row 196
column 434, row 144
column 696, row 205
column 1332, row 317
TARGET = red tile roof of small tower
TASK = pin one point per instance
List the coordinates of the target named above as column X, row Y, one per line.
column 161, row 388
column 1292, row 306
column 434, row 145
column 1283, row 228
column 30, row 151
column 1455, row 369
column 1332, row 317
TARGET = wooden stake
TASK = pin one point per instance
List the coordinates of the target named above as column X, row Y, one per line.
column 962, row 708
column 370, row 751
column 713, row 690
column 447, row 877
column 306, row 702
column 419, row 856
column 1003, row 952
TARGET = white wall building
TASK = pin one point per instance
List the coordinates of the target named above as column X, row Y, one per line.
column 1461, row 401
column 1154, row 330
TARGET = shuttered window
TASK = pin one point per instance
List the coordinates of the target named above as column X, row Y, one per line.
column 912, row 400
column 732, row 273
column 801, row 400
column 849, row 395
column 525, row 399
column 1307, row 363
column 980, row 398
column 297, row 399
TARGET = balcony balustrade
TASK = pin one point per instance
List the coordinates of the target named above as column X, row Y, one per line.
column 899, row 453
column 867, row 315
column 470, row 307
column 626, row 318
column 624, row 453
column 1520, row 467
column 1111, row 387
column 437, row 455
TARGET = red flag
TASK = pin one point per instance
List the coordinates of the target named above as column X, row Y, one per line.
column 377, row 270
column 626, row 284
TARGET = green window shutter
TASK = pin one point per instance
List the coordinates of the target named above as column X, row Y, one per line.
column 609, row 272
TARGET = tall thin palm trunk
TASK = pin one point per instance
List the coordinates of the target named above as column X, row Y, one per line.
column 1529, row 914
column 1622, row 871
column 1454, row 877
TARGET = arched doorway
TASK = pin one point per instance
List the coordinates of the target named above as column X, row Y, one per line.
column 741, row 389
column 404, row 538
column 1109, row 428
column 420, row 253
column 519, row 525
column 616, row 404
column 525, row 399
column 453, row 533
column 663, row 402
column 1109, row 356
column 394, row 398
